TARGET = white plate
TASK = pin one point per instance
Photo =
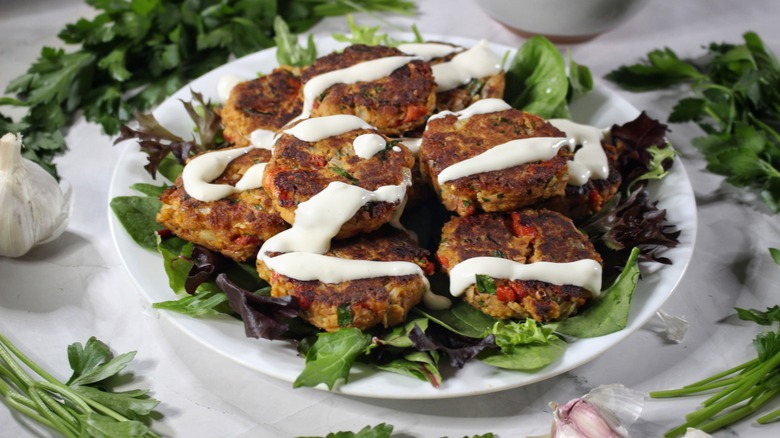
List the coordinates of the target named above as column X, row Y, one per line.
column 279, row 359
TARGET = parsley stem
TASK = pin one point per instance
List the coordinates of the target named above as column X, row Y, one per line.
column 6, row 349
column 739, row 413
column 65, row 392
column 26, row 407
column 723, row 373
column 4, row 342
column 59, row 425
column 768, row 418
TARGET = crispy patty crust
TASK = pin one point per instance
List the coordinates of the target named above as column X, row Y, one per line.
column 393, row 104
column 448, row 140
column 524, row 236
column 236, row 225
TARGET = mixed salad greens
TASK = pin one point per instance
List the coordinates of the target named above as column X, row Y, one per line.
column 207, row 284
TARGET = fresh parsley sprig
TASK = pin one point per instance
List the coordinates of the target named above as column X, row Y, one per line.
column 84, row 405
column 736, row 102
column 135, row 53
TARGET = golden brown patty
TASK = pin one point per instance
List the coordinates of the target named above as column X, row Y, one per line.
column 268, row 102
column 524, row 236
column 365, row 302
column 301, row 169
column 394, row 104
column 235, row 226
column 461, row 97
column 582, row 202
column 448, row 141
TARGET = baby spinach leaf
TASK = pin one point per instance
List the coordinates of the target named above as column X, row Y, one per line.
column 609, row 313
column 137, row 215
column 536, row 78
column 329, row 360
column 461, row 318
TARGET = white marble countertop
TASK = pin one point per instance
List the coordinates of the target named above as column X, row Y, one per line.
column 76, row 287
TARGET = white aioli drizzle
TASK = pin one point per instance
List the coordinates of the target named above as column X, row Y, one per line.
column 504, row 156
column 428, row 51
column 590, row 161
column 252, row 179
column 482, row 106
column 320, row 128
column 584, row 273
column 366, row 145
column 201, row 170
column 263, row 139
column 362, row 72
column 226, row 84
column 319, row 218
column 476, row 62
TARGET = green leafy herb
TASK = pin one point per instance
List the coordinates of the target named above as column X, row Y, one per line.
column 381, row 430
column 736, row 102
column 85, row 405
column 485, row 284
column 340, row 171
column 133, row 54
column 344, row 314
column 610, row 312
column 370, row 36
column 330, row 358
column 525, row 346
column 536, row 80
column 288, row 50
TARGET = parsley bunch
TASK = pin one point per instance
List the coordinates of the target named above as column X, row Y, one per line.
column 736, row 102
column 84, row 405
column 135, row 53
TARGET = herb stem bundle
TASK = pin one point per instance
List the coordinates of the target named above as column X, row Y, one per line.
column 74, row 409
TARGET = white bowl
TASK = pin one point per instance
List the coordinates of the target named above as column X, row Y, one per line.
column 561, row 20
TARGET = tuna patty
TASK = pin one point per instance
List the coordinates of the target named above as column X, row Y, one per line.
column 236, row 225
column 268, row 103
column 394, row 104
column 450, row 140
column 524, row 236
column 301, row 169
column 365, row 302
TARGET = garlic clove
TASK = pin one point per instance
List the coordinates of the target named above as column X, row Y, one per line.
column 34, row 208
column 605, row 412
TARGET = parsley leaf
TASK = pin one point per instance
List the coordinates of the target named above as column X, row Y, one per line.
column 134, row 53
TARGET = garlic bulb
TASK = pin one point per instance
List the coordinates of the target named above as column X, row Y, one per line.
column 34, row 208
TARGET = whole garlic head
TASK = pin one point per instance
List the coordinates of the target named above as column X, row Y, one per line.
column 33, row 207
